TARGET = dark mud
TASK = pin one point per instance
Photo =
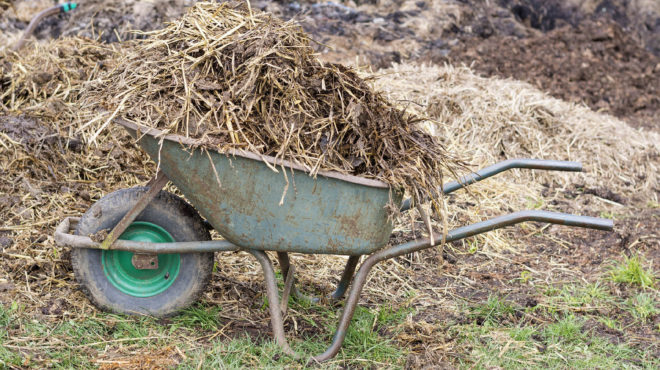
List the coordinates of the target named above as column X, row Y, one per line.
column 595, row 63
column 603, row 53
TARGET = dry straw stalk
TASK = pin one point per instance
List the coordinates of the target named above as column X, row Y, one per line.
column 236, row 78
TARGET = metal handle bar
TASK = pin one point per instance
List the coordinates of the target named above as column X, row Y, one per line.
column 34, row 22
column 64, row 237
column 484, row 173
column 456, row 234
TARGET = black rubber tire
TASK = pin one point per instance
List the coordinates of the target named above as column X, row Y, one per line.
column 171, row 213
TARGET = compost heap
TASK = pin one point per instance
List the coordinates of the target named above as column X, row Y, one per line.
column 47, row 80
column 234, row 78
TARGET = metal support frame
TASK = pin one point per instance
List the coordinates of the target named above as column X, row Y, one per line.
column 64, row 237
column 273, row 300
column 346, row 277
column 285, row 267
column 342, row 286
column 154, row 185
column 358, row 283
column 456, row 234
column 286, row 292
column 484, row 173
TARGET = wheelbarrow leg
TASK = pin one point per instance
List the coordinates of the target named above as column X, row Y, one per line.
column 453, row 235
column 346, row 277
column 349, row 306
column 273, row 300
column 342, row 286
column 285, row 266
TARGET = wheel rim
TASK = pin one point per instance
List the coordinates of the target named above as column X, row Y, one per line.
column 118, row 266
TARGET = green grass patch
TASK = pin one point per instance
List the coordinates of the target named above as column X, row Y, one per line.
column 28, row 342
column 567, row 329
column 632, row 271
column 577, row 297
column 574, row 325
column 364, row 346
column 199, row 316
column 643, row 306
column 491, row 312
column 563, row 343
column 31, row 342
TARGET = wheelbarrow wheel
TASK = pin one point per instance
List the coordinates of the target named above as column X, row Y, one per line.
column 110, row 279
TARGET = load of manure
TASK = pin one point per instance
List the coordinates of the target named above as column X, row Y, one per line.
column 235, row 78
column 47, row 80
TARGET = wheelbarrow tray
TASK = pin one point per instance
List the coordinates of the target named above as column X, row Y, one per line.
column 253, row 206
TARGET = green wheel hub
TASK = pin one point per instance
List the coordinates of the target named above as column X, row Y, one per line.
column 118, row 266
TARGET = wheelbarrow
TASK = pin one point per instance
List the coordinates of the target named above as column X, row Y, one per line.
column 146, row 251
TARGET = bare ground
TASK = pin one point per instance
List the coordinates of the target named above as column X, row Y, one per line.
column 608, row 62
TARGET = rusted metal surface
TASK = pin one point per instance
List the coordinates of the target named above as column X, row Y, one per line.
column 142, row 261
column 288, row 286
column 484, row 173
column 285, row 266
column 274, row 162
column 154, row 185
column 346, row 277
column 273, row 300
column 64, row 237
column 456, row 234
column 327, row 215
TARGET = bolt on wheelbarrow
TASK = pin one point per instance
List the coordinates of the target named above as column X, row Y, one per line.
column 146, row 251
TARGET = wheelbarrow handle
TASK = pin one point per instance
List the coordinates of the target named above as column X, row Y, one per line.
column 484, row 173
column 454, row 235
column 34, row 22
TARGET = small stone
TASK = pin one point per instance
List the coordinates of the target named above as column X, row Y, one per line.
column 5, row 241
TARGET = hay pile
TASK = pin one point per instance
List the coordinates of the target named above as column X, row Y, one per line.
column 47, row 80
column 236, row 78
column 46, row 170
column 491, row 119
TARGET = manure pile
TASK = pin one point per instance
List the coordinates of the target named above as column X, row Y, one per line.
column 48, row 80
column 491, row 119
column 236, row 78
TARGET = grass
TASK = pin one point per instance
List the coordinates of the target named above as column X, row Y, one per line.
column 573, row 324
column 364, row 346
column 199, row 316
column 499, row 335
column 69, row 343
column 631, row 271
column 107, row 333
column 494, row 310
column 643, row 306
column 577, row 297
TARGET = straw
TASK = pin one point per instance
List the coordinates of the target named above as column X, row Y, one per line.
column 238, row 78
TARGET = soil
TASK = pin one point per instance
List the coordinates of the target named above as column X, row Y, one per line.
column 109, row 21
column 594, row 62
column 605, row 54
